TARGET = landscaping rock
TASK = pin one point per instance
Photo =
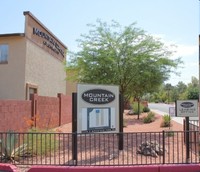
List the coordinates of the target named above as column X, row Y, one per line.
column 150, row 149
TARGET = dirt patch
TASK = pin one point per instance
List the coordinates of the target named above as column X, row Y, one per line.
column 133, row 124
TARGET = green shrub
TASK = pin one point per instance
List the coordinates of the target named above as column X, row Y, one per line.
column 41, row 142
column 146, row 109
column 10, row 149
column 166, row 121
column 149, row 118
column 8, row 146
column 135, row 108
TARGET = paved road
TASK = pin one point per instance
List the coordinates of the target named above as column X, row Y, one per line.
column 162, row 109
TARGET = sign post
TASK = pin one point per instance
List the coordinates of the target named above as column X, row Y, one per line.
column 187, row 108
column 187, row 139
column 74, row 127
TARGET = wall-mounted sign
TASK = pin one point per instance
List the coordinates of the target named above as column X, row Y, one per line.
column 187, row 108
column 97, row 108
column 49, row 41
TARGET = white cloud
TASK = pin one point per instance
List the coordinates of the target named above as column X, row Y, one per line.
column 186, row 50
column 181, row 50
column 193, row 64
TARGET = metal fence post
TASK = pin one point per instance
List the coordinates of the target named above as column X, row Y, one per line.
column 163, row 143
column 74, row 127
column 121, row 111
column 187, row 140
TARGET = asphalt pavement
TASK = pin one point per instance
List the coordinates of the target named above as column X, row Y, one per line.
column 163, row 109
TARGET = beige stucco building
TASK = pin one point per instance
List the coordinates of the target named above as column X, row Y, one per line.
column 31, row 62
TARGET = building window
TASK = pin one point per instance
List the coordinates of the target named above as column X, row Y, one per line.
column 3, row 53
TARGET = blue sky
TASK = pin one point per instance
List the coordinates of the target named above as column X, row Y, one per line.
column 174, row 21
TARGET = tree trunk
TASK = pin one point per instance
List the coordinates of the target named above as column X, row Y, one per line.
column 138, row 100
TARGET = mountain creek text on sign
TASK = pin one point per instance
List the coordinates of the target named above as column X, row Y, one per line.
column 98, row 96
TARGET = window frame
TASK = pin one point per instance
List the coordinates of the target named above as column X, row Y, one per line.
column 7, row 51
column 28, row 87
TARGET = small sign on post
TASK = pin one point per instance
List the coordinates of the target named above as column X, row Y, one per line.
column 187, row 108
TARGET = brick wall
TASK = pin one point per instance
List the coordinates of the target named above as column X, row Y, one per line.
column 14, row 115
column 46, row 112
column 40, row 112
column 66, row 109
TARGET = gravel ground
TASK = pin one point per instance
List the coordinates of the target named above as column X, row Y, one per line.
column 131, row 124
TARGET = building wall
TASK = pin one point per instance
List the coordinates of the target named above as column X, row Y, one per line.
column 44, row 58
column 71, row 87
column 44, row 71
column 12, row 75
column 35, row 60
column 43, row 37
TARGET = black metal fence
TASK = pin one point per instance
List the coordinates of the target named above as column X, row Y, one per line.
column 140, row 148
column 194, row 125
